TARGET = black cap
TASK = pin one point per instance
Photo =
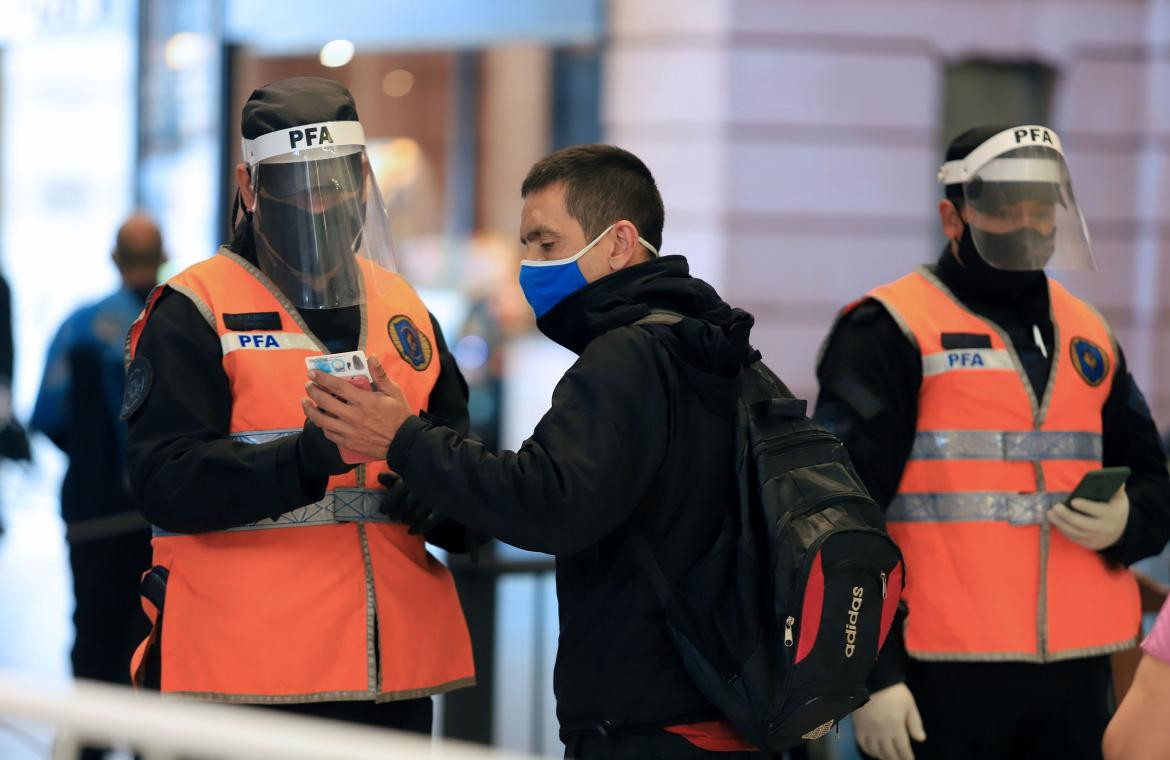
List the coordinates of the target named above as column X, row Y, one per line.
column 962, row 145
column 294, row 102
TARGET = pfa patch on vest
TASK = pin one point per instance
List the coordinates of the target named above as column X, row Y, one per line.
column 961, row 360
column 139, row 376
column 1091, row 361
column 412, row 345
column 266, row 341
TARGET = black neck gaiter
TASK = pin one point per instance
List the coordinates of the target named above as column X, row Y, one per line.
column 988, row 281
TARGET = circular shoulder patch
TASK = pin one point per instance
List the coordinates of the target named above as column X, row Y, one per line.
column 413, row 346
column 1091, row 361
column 139, row 376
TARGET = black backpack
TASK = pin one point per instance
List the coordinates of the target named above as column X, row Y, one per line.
column 779, row 623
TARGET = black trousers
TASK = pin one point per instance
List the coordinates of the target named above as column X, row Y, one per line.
column 414, row 715
column 107, row 614
column 1012, row 710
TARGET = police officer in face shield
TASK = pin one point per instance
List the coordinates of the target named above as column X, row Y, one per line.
column 973, row 395
column 280, row 582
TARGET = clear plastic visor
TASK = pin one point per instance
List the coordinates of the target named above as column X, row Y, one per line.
column 319, row 220
column 1023, row 214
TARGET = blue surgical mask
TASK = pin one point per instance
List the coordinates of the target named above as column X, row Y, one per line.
column 547, row 283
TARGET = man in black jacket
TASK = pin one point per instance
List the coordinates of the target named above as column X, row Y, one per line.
column 639, row 437
column 871, row 378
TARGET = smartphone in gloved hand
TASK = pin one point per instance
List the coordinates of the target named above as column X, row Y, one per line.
column 351, row 366
column 1099, row 485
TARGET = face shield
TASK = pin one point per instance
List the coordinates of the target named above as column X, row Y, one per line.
column 1018, row 202
column 318, row 217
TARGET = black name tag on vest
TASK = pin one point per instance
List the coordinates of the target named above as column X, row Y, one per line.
column 965, row 340
column 256, row 320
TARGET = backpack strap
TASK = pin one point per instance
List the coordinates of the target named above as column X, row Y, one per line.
column 637, row 538
column 758, row 384
column 660, row 317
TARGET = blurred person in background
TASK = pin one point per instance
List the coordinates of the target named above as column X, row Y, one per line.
column 276, row 581
column 78, row 408
column 13, row 440
column 1140, row 730
column 638, row 439
column 973, row 395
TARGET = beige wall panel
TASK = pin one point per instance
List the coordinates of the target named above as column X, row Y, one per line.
column 852, row 179
column 818, row 88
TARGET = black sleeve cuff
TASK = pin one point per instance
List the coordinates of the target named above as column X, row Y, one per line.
column 1118, row 553
column 296, row 487
column 404, row 440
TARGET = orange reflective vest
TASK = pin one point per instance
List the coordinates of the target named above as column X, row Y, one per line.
column 987, row 577
column 329, row 601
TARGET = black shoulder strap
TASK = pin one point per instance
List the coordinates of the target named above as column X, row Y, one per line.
column 660, row 317
column 638, row 540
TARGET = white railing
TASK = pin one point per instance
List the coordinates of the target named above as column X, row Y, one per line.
column 86, row 711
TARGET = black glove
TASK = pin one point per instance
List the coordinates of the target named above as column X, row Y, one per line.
column 402, row 506
column 318, row 456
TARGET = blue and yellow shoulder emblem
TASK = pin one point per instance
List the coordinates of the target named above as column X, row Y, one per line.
column 1091, row 361
column 413, row 346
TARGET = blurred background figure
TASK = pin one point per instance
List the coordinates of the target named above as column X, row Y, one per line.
column 78, row 408
column 13, row 440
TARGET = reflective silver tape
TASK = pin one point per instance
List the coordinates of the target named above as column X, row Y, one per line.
column 983, row 506
column 342, row 505
column 1009, row 446
column 263, row 436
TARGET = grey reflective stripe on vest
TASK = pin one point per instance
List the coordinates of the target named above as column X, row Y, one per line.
column 342, row 505
column 985, row 506
column 1012, row 447
column 263, row 436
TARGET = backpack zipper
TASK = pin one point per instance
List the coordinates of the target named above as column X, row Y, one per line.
column 785, row 518
column 788, row 625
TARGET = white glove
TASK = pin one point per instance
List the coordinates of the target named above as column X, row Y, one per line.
column 1101, row 525
column 885, row 725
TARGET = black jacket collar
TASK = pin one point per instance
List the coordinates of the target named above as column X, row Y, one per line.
column 715, row 329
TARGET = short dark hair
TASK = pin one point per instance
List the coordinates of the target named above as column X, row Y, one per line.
column 603, row 184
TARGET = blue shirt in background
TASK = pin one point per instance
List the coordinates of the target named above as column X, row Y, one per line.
column 79, row 402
